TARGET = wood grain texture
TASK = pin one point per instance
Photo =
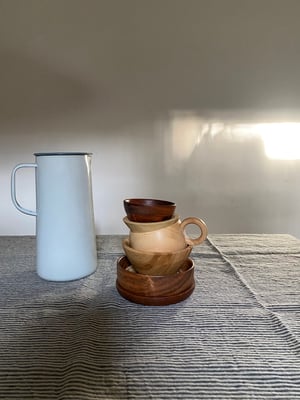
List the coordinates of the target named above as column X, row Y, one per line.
column 149, row 210
column 155, row 286
column 156, row 263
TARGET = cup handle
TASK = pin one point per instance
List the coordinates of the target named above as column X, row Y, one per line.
column 201, row 224
column 13, row 189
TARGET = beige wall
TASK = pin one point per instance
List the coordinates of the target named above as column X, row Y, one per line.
column 157, row 90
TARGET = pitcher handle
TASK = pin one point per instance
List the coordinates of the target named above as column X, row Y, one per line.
column 201, row 224
column 13, row 189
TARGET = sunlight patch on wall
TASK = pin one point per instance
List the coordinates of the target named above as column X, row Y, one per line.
column 186, row 135
column 281, row 140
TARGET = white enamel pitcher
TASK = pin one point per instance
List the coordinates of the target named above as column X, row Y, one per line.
column 65, row 231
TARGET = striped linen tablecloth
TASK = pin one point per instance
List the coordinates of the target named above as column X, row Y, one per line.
column 236, row 337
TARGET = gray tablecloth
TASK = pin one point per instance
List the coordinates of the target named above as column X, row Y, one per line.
column 236, row 337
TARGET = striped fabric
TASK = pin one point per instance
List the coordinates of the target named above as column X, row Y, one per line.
column 236, row 337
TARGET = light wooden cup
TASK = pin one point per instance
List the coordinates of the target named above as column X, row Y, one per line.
column 166, row 236
column 153, row 263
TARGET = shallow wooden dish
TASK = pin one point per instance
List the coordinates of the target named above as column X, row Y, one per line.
column 156, row 263
column 148, row 210
column 155, row 290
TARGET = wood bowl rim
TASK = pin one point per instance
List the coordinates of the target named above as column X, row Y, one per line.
column 137, row 201
column 152, row 225
column 125, row 243
column 156, row 277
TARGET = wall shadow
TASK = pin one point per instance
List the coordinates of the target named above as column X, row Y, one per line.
column 33, row 91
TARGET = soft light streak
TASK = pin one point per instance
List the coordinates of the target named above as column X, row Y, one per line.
column 281, row 140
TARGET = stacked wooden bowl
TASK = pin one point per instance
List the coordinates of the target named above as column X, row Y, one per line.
column 154, row 290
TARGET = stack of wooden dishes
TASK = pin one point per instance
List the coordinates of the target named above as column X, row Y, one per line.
column 157, row 268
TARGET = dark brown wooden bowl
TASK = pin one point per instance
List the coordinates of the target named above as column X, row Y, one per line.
column 155, row 301
column 149, row 210
column 154, row 290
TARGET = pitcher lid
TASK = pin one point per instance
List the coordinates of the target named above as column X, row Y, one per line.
column 62, row 154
